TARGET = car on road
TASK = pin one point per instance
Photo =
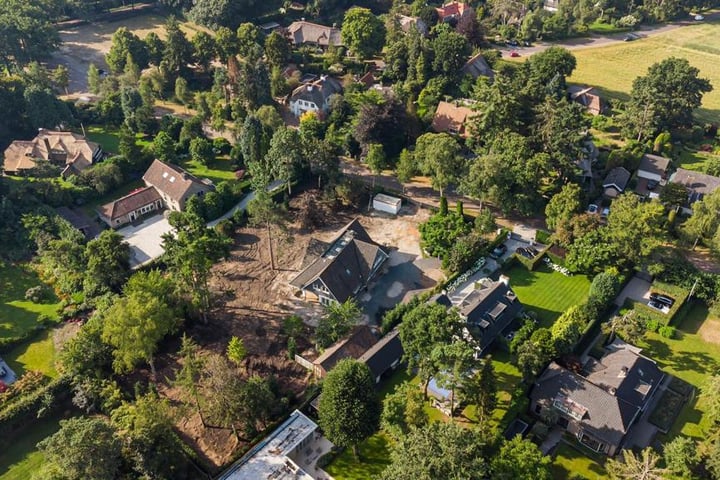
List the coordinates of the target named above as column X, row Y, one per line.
column 630, row 37
column 698, row 18
column 514, row 54
column 500, row 250
column 527, row 44
column 513, row 43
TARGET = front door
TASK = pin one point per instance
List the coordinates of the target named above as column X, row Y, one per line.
column 132, row 216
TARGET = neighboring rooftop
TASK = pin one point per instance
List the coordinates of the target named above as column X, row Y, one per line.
column 586, row 96
column 654, row 164
column 451, row 118
column 270, row 458
column 453, row 10
column 129, row 203
column 317, row 91
column 307, row 32
column 699, row 184
column 381, row 356
column 477, row 67
column 172, row 180
column 60, row 148
column 353, row 346
column 618, row 177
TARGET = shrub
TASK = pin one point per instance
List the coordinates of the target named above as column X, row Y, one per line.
column 653, row 325
column 667, row 331
column 37, row 294
column 464, row 252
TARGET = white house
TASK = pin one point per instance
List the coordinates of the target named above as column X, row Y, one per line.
column 386, row 203
column 314, row 96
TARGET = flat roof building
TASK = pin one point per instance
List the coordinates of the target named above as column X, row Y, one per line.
column 272, row 457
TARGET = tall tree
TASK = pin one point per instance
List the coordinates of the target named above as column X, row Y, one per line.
column 422, row 330
column 83, row 448
column 203, row 50
column 534, row 354
column 453, row 361
column 254, row 144
column 277, row 49
column 480, row 390
column 563, row 205
column 236, row 350
column 223, row 390
column 108, row 263
column 178, row 50
column 440, row 450
column 264, row 211
column 188, row 377
column 191, row 253
column 142, row 317
column 704, row 223
column 438, row 155
column 284, row 156
column 337, row 322
column 636, row 467
column 349, row 408
column 451, row 52
column 664, row 98
column 711, row 396
column 520, row 459
column 124, row 44
column 363, row 32
column 403, row 410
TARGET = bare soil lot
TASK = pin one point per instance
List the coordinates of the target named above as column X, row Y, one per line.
column 253, row 301
column 89, row 43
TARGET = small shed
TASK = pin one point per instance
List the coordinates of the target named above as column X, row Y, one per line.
column 386, row 203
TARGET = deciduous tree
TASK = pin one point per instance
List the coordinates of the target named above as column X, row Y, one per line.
column 563, row 205
column 337, row 322
column 636, row 467
column 363, row 32
column 521, row 459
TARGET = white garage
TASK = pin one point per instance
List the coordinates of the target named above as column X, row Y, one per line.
column 386, row 203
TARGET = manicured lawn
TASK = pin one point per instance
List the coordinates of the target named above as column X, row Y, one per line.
column 375, row 457
column 547, row 292
column 694, row 160
column 613, row 68
column 18, row 315
column 20, row 458
column 37, row 355
column 693, row 359
column 605, row 28
column 107, row 137
column 218, row 171
column 571, row 460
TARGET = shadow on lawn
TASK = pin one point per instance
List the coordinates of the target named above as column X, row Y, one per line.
column 682, row 361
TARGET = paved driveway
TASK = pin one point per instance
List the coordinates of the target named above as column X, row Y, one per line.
column 406, row 272
column 637, row 289
column 145, row 239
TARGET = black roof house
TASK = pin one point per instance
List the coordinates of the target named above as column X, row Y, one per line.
column 384, row 355
column 347, row 266
column 487, row 311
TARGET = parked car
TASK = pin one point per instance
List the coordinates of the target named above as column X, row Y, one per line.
column 510, row 336
column 657, row 305
column 514, row 53
column 500, row 250
column 698, row 18
column 3, row 386
column 664, row 299
column 592, row 208
column 652, row 184
column 3, row 371
column 526, row 43
column 513, row 43
column 524, row 252
column 533, row 250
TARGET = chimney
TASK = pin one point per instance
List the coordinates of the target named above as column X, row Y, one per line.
column 504, row 279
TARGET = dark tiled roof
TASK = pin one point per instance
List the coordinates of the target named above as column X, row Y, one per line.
column 346, row 266
column 308, row 32
column 318, row 91
column 129, row 203
column 73, row 218
column 171, row 179
column 698, row 183
column 617, row 177
column 477, row 67
column 384, row 353
column 604, row 416
column 352, row 347
column 489, row 310
column 654, row 164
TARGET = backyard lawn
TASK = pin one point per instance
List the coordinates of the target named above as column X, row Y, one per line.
column 571, row 460
column 107, row 137
column 693, row 356
column 547, row 292
column 613, row 68
column 218, row 171
column 20, row 458
column 37, row 355
column 18, row 315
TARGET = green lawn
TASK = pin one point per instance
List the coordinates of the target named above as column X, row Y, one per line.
column 690, row 358
column 20, row 458
column 218, row 171
column 38, row 355
column 613, row 68
column 571, row 460
column 107, row 137
column 374, row 455
column 547, row 292
column 694, row 160
column 18, row 315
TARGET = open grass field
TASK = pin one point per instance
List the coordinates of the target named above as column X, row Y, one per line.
column 37, row 355
column 18, row 315
column 693, row 355
column 613, row 68
column 547, row 292
column 20, row 458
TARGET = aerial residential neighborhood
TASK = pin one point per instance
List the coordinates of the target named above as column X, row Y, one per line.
column 318, row 240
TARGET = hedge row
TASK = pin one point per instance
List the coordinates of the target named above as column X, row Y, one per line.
column 678, row 293
column 8, row 343
column 27, row 408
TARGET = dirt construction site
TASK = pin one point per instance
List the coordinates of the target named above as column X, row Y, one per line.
column 254, row 299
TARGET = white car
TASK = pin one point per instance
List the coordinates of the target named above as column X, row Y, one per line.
column 698, row 18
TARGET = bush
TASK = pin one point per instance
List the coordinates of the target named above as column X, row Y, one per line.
column 667, row 331
column 601, row 122
column 652, row 325
column 38, row 294
column 464, row 252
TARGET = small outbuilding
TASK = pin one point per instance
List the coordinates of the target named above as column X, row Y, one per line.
column 386, row 203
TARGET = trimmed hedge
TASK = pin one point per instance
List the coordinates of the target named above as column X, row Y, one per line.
column 27, row 407
column 680, row 295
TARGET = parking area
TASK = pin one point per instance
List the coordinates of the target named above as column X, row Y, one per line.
column 7, row 376
column 406, row 272
column 637, row 289
column 145, row 239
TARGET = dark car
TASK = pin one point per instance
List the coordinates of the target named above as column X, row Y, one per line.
column 664, row 299
column 527, row 44
column 513, row 43
column 524, row 252
column 500, row 250
column 651, row 184
column 3, row 372
column 656, row 305
column 533, row 250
